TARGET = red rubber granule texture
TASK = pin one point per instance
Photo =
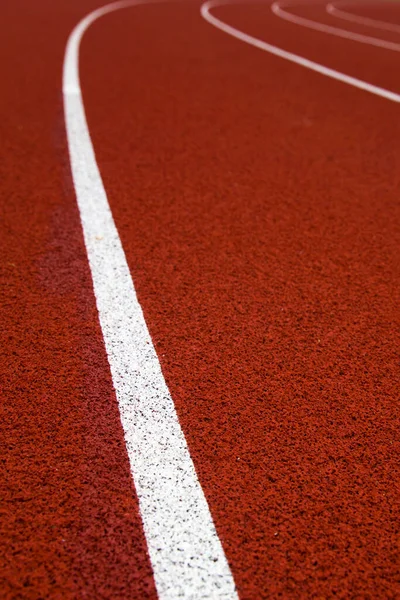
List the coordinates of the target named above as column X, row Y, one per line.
column 257, row 203
column 70, row 526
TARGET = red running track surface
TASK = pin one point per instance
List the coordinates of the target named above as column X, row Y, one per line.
column 257, row 203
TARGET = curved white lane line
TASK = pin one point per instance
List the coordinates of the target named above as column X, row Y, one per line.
column 332, row 9
column 185, row 551
column 279, row 11
column 299, row 60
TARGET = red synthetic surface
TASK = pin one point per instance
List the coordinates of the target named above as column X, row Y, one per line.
column 382, row 11
column 318, row 14
column 257, row 203
column 70, row 526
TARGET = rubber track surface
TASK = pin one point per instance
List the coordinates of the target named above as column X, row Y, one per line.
column 257, row 203
column 70, row 526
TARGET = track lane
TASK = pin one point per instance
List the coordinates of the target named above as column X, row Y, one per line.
column 338, row 10
column 266, row 270
column 377, row 66
column 318, row 12
column 206, row 13
column 70, row 526
column 283, row 11
column 385, row 11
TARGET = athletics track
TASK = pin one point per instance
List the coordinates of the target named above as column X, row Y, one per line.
column 250, row 160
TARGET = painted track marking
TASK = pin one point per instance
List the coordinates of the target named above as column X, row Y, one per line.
column 299, row 60
column 185, row 551
column 332, row 9
column 278, row 10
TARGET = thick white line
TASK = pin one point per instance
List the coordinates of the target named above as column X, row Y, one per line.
column 279, row 11
column 332, row 9
column 185, row 551
column 299, row 60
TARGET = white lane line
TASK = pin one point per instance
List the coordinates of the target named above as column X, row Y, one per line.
column 332, row 9
column 185, row 551
column 299, row 60
column 278, row 10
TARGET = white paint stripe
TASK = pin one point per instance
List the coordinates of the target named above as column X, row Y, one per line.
column 299, row 60
column 332, row 9
column 279, row 11
column 185, row 551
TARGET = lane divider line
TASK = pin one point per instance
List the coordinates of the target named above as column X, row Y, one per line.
column 332, row 9
column 290, row 56
column 278, row 9
column 185, row 551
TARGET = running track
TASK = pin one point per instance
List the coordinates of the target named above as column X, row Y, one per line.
column 257, row 202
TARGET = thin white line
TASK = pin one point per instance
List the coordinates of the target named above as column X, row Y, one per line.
column 348, row 35
column 185, row 551
column 332, row 9
column 299, row 60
